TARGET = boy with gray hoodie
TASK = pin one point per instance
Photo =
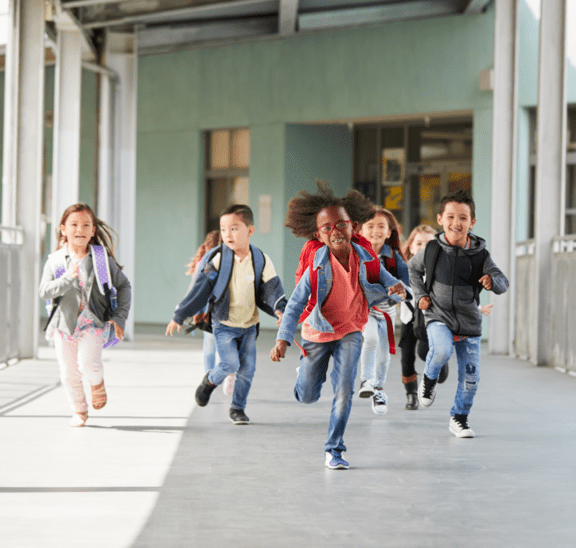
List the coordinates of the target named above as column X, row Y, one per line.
column 461, row 268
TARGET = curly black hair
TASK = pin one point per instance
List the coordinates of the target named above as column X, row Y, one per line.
column 305, row 206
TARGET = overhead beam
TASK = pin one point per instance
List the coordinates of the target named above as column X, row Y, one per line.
column 287, row 17
column 377, row 14
column 245, row 8
column 475, row 7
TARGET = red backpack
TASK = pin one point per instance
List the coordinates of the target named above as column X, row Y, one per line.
column 372, row 272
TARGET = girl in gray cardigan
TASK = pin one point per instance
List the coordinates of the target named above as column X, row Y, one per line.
column 80, row 325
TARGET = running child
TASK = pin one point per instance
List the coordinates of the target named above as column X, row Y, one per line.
column 453, row 319
column 81, row 322
column 383, row 233
column 252, row 283
column 337, row 311
column 202, row 321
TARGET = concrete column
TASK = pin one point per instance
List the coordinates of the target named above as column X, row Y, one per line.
column 23, row 155
column 122, row 58
column 550, row 163
column 67, row 101
column 500, row 335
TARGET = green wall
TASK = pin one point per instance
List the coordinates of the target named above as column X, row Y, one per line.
column 276, row 88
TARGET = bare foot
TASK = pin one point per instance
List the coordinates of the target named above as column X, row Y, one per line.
column 78, row 419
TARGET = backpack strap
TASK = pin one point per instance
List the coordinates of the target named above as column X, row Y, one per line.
column 431, row 253
column 258, row 263
column 226, row 266
column 101, row 268
column 390, row 263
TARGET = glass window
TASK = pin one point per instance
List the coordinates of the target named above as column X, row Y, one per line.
column 227, row 178
column 571, row 200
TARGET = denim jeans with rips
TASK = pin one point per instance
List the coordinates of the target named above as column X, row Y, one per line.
column 236, row 348
column 312, row 375
column 441, row 343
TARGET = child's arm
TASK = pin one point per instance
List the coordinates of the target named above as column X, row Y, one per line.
column 402, row 269
column 493, row 278
column 51, row 287
column 197, row 298
column 123, row 294
column 396, row 289
column 290, row 318
column 416, row 271
column 271, row 298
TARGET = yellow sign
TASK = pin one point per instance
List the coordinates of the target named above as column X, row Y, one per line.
column 394, row 195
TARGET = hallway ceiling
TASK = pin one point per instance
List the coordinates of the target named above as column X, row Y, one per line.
column 170, row 25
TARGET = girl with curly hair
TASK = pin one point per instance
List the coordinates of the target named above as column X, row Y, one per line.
column 337, row 309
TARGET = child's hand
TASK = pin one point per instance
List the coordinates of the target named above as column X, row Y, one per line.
column 486, row 281
column 279, row 320
column 279, row 351
column 397, row 289
column 171, row 326
column 199, row 318
column 73, row 271
column 118, row 331
column 424, row 303
column 486, row 309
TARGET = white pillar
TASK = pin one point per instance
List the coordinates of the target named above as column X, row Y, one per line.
column 105, row 152
column 67, row 101
column 500, row 335
column 23, row 155
column 550, row 163
column 122, row 58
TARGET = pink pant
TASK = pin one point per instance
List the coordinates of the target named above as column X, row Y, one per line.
column 83, row 355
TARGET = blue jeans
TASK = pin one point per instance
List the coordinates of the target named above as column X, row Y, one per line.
column 209, row 351
column 312, row 375
column 237, row 350
column 375, row 357
column 468, row 356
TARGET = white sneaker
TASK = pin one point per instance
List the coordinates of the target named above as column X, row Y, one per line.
column 366, row 389
column 380, row 402
column 459, row 426
column 427, row 391
column 228, row 384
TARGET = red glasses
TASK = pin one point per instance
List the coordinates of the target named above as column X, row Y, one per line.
column 328, row 229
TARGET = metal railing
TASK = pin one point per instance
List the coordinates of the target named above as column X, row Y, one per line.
column 524, row 340
column 11, row 249
column 562, row 325
column 563, row 280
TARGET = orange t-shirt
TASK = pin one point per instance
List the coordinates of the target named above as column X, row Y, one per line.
column 345, row 308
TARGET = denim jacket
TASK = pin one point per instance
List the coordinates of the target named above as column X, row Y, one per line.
column 401, row 267
column 374, row 293
column 269, row 298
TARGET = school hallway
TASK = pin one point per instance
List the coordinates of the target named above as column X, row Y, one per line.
column 151, row 469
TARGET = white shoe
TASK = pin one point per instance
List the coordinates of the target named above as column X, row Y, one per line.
column 366, row 389
column 228, row 384
column 380, row 402
column 459, row 427
column 427, row 391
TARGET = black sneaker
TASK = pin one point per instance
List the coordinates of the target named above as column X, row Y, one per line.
column 443, row 373
column 204, row 391
column 426, row 391
column 237, row 416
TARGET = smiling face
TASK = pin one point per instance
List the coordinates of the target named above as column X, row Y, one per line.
column 456, row 220
column 337, row 239
column 376, row 231
column 420, row 241
column 78, row 229
column 236, row 234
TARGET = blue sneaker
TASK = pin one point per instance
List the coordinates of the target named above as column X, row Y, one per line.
column 334, row 461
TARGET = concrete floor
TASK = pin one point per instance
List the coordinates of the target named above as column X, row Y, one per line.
column 153, row 470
